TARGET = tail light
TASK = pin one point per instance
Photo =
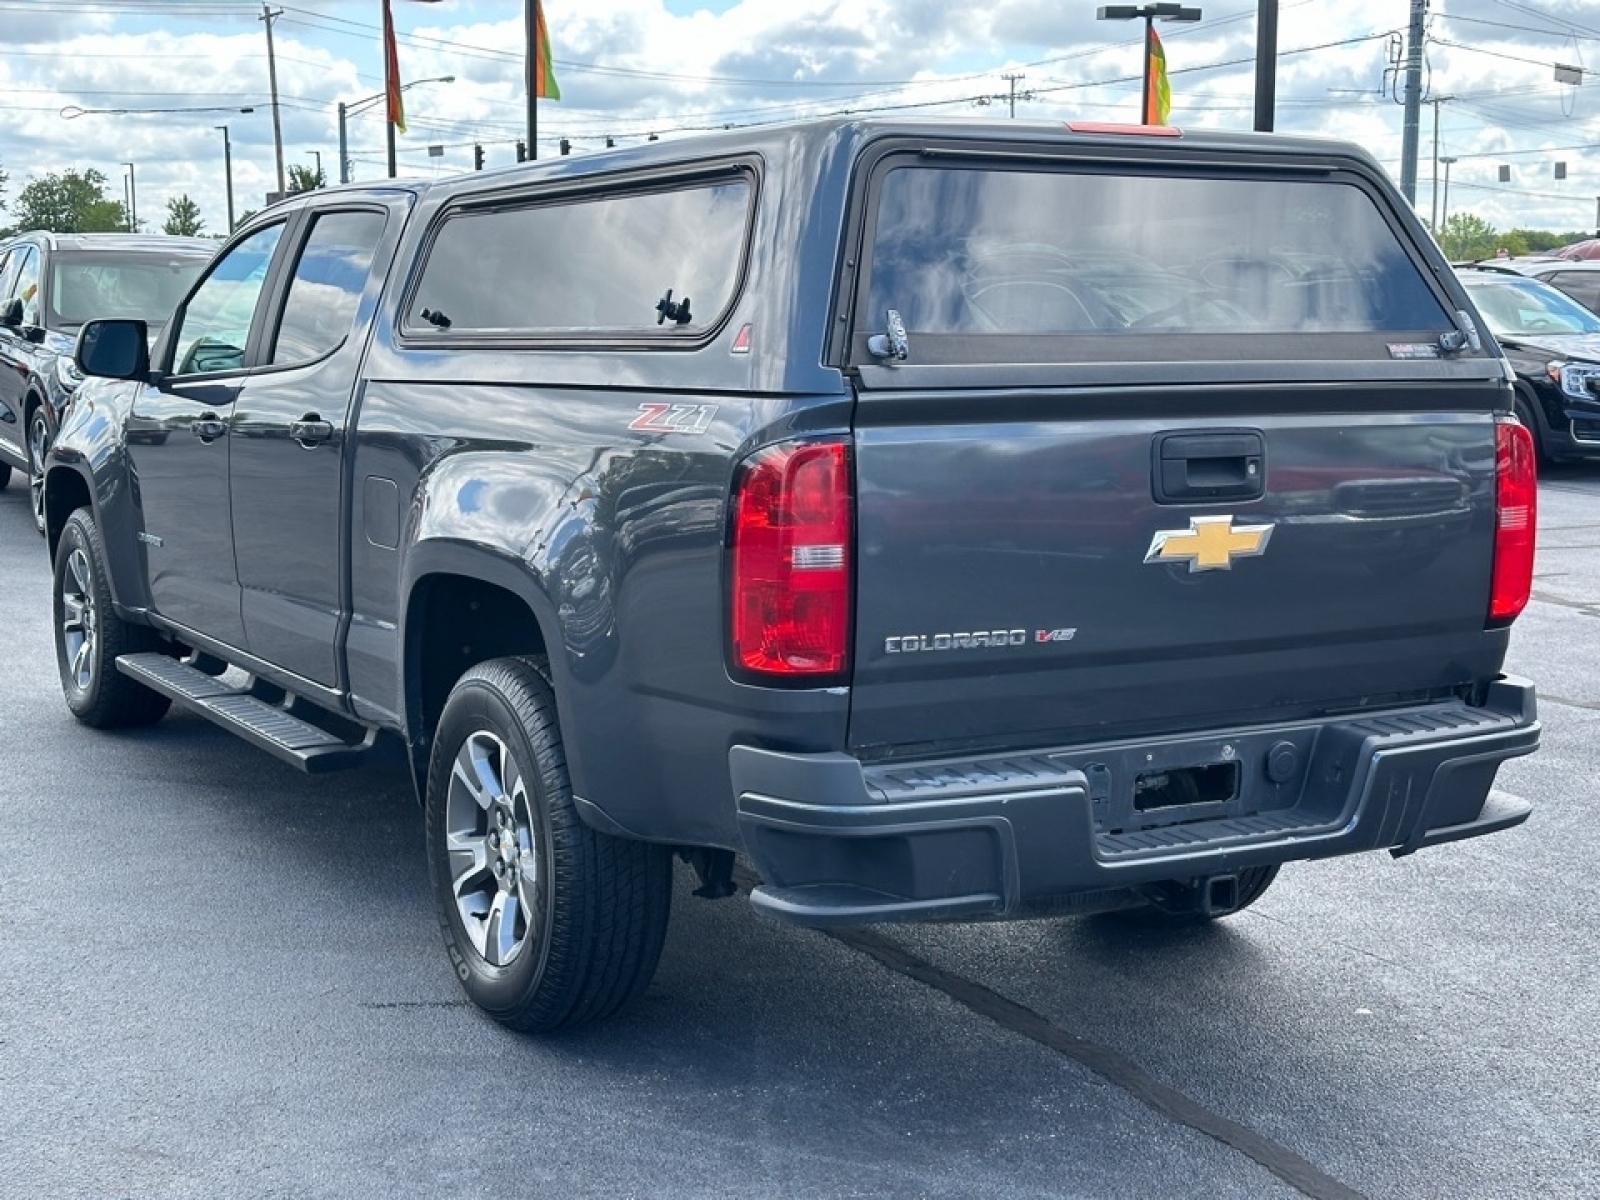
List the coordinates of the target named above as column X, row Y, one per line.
column 792, row 561
column 1516, row 513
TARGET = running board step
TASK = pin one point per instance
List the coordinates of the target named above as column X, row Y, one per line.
column 267, row 726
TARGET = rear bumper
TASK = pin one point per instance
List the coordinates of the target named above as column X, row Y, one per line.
column 839, row 842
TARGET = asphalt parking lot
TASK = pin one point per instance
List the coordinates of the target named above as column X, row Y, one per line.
column 219, row 977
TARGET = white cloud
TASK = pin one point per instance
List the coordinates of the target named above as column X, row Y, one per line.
column 630, row 67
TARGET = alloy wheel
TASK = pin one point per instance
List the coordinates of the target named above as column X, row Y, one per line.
column 38, row 447
column 495, row 875
column 80, row 621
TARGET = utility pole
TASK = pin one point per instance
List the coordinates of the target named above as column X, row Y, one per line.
column 1012, row 99
column 269, row 16
column 133, row 202
column 1413, row 101
column 227, row 170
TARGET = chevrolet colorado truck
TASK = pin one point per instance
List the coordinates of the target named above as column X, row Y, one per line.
column 958, row 520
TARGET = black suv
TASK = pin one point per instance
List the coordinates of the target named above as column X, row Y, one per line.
column 1553, row 344
column 50, row 284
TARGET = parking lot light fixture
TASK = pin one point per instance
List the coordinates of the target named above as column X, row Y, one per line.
column 355, row 106
column 1150, row 14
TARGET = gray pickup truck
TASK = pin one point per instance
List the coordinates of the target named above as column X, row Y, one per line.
column 959, row 520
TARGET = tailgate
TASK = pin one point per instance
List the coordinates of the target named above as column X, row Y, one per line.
column 1155, row 435
column 1050, row 576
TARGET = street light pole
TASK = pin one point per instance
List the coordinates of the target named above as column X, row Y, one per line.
column 1150, row 14
column 1436, row 101
column 133, row 201
column 227, row 170
column 347, row 111
column 1444, row 212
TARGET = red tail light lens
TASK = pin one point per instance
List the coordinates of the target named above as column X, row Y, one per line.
column 1516, row 520
column 792, row 557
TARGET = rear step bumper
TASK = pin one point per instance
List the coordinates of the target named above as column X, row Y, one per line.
column 841, row 842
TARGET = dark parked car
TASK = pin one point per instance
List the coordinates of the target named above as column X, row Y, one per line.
column 50, row 284
column 1553, row 344
column 1578, row 278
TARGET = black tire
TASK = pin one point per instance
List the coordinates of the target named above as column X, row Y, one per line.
column 5, row 475
column 1523, row 407
column 586, row 929
column 39, row 440
column 90, row 636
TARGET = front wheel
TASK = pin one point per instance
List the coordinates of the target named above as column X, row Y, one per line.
column 90, row 636
column 548, row 923
column 38, row 446
column 1524, row 410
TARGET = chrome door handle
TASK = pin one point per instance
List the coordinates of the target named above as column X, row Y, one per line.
column 207, row 427
column 310, row 431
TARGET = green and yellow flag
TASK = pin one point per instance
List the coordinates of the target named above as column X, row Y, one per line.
column 544, row 71
column 1158, row 104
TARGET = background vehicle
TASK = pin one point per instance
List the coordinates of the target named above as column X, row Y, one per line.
column 1553, row 344
column 1578, row 278
column 50, row 284
column 961, row 520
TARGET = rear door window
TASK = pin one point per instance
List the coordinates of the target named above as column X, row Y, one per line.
column 327, row 285
column 1040, row 261
column 1582, row 286
column 652, row 263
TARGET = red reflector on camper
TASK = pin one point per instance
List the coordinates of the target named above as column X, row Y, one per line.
column 1134, row 130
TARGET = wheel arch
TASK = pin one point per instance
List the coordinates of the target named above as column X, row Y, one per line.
column 65, row 491
column 464, row 605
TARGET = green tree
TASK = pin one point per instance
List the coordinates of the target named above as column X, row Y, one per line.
column 1467, row 237
column 306, row 179
column 183, row 217
column 69, row 203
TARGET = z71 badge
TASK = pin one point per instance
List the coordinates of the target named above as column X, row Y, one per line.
column 673, row 418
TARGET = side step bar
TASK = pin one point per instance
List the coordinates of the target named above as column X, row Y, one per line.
column 267, row 726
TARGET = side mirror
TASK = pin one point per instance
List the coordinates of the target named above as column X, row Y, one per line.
column 113, row 349
column 11, row 313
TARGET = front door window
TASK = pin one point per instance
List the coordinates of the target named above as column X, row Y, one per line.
column 214, row 327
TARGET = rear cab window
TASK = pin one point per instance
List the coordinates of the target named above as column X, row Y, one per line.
column 659, row 263
column 1034, row 261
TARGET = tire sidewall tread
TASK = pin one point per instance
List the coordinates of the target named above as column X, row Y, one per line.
column 605, row 899
column 112, row 700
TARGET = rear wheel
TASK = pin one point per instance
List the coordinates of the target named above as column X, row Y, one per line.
column 38, row 446
column 5, row 475
column 90, row 636
column 548, row 923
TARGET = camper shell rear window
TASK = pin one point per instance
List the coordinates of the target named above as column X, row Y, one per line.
column 1032, row 261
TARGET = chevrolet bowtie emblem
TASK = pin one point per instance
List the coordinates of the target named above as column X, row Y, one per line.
column 1209, row 544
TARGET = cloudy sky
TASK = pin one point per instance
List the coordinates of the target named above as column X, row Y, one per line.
column 628, row 68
